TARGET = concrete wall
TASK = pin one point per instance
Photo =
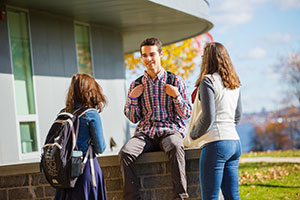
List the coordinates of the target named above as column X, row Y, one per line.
column 7, row 105
column 26, row 182
column 54, row 62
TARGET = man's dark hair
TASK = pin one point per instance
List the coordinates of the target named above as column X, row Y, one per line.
column 150, row 42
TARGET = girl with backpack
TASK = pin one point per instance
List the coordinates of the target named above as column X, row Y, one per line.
column 85, row 92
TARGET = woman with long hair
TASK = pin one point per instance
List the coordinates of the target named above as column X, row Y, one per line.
column 215, row 131
column 85, row 92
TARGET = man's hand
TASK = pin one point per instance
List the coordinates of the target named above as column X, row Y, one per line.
column 137, row 91
column 172, row 90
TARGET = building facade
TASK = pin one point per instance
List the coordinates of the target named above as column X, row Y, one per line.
column 44, row 43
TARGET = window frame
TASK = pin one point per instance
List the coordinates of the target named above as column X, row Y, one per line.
column 29, row 117
column 91, row 44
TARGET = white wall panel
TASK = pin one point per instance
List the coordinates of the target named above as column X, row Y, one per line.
column 9, row 148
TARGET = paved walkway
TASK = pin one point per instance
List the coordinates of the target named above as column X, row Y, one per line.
column 271, row 159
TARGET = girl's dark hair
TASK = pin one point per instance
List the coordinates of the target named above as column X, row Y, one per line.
column 216, row 59
column 84, row 90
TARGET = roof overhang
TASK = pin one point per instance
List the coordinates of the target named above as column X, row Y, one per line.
column 168, row 20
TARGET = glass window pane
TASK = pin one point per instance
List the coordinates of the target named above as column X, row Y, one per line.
column 84, row 59
column 28, row 137
column 20, row 49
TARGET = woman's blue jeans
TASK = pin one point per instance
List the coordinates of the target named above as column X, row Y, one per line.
column 219, row 164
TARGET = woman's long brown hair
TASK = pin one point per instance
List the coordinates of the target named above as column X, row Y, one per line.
column 85, row 91
column 216, row 59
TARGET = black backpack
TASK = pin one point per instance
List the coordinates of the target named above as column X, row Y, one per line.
column 171, row 78
column 60, row 144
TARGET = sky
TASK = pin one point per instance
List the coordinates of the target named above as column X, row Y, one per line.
column 256, row 34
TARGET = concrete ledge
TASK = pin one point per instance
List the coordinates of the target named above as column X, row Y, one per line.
column 25, row 181
column 18, row 169
column 105, row 161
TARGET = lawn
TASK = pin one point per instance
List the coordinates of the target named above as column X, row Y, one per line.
column 270, row 181
column 279, row 153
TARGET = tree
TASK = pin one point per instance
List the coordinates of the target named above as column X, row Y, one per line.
column 281, row 131
column 260, row 139
column 291, row 118
column 271, row 136
column 179, row 58
column 290, row 68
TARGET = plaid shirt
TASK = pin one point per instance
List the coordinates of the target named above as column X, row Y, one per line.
column 156, row 111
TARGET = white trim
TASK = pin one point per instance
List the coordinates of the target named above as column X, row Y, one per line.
column 27, row 118
column 17, row 8
column 74, row 32
column 81, row 23
column 38, row 138
column 29, row 156
column 30, row 117
column 75, row 44
column 14, row 91
column 90, row 44
column 92, row 52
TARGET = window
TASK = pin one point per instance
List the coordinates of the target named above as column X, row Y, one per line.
column 23, row 81
column 28, row 137
column 84, row 58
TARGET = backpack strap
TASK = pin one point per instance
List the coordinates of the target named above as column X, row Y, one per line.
column 92, row 167
column 81, row 111
column 89, row 153
column 171, row 78
column 138, row 81
column 85, row 111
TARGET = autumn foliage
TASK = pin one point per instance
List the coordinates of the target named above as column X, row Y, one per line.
column 281, row 132
column 289, row 68
column 178, row 58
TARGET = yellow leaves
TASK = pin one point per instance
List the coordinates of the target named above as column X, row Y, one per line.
column 131, row 61
column 263, row 176
column 178, row 58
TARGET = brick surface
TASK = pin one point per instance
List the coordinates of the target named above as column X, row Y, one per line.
column 164, row 194
column 192, row 165
column 168, row 168
column 111, row 172
column 114, row 185
column 14, row 181
column 194, row 192
column 44, row 199
column 148, row 169
column 156, row 181
column 193, row 178
column 3, row 195
column 38, row 179
column 39, row 191
column 114, row 195
column 147, row 195
column 21, row 193
column 49, row 191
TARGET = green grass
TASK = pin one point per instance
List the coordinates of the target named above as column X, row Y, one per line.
column 286, row 153
column 270, row 181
